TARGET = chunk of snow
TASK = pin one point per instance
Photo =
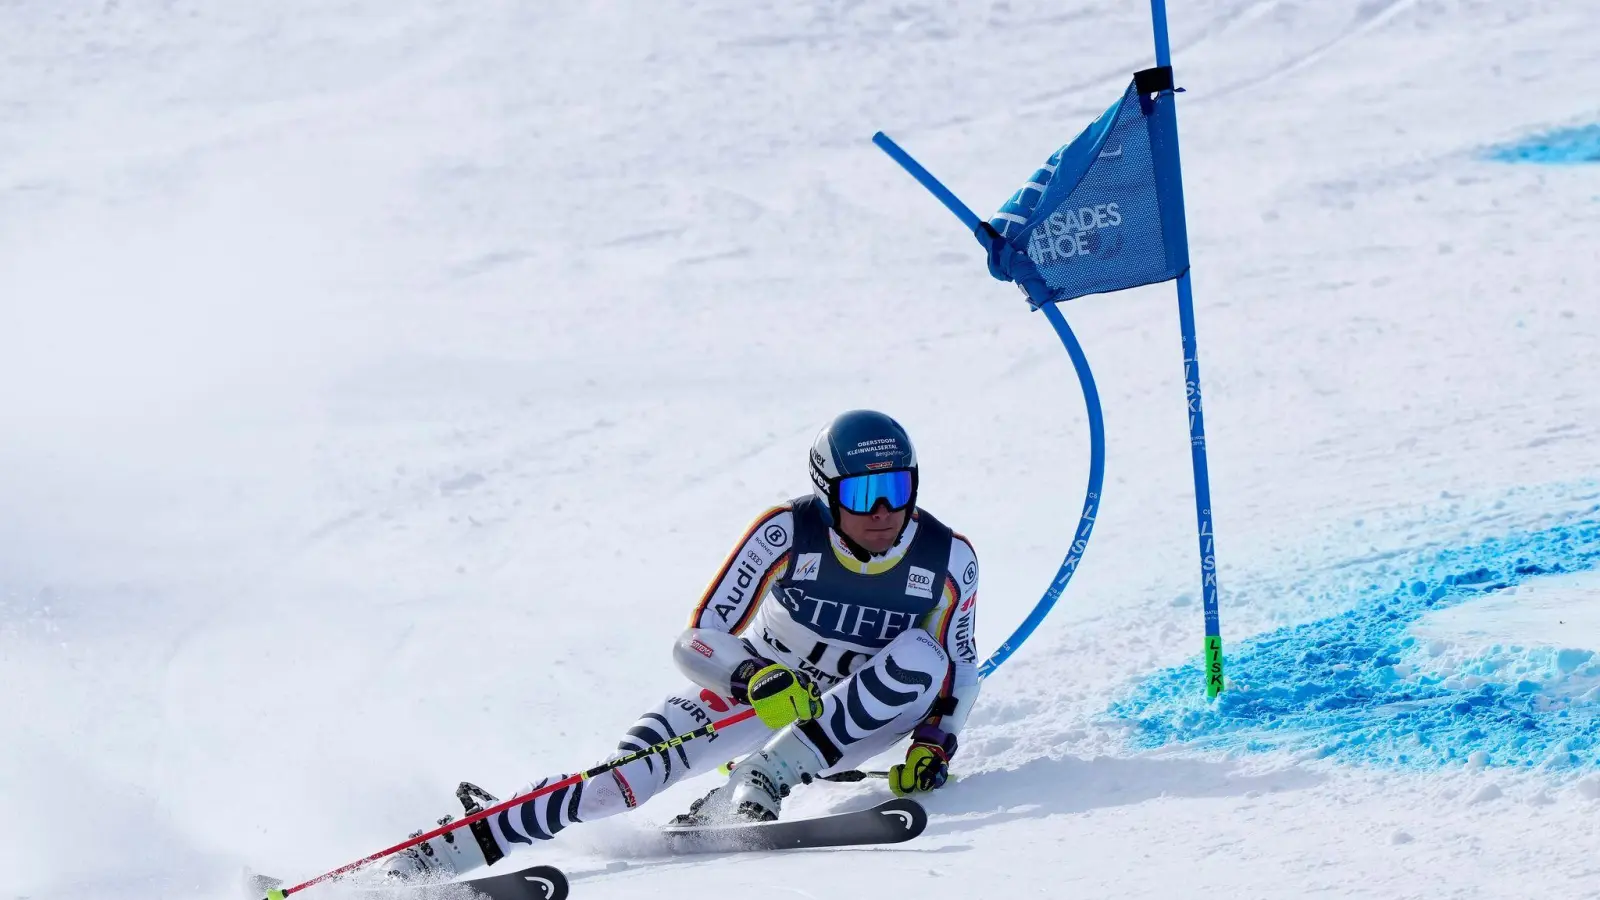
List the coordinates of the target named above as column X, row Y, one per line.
column 1488, row 792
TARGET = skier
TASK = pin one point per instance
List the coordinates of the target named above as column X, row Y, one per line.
column 845, row 618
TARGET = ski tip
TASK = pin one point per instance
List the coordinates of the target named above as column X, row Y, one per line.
column 535, row 883
column 544, row 883
column 275, row 894
column 907, row 813
column 555, row 883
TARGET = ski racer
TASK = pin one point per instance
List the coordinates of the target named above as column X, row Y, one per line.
column 845, row 618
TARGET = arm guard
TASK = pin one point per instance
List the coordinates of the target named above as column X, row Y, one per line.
column 711, row 658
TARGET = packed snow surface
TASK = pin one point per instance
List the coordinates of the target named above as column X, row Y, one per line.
column 382, row 382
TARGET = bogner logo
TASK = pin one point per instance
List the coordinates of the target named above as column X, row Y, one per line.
column 775, row 536
column 807, row 567
column 920, row 583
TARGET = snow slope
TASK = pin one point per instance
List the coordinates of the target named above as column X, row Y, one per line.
column 381, row 382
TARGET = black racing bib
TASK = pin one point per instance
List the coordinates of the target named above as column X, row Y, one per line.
column 868, row 610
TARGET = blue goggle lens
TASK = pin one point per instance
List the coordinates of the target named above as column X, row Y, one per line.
column 860, row 493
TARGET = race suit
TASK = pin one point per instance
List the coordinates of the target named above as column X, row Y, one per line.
column 890, row 640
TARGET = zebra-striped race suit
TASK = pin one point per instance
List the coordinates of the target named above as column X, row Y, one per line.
column 889, row 639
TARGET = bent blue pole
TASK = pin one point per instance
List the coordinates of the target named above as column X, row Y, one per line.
column 1197, row 421
column 1091, row 500
column 926, row 179
column 1091, row 399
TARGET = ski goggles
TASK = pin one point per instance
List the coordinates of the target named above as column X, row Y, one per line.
column 860, row 493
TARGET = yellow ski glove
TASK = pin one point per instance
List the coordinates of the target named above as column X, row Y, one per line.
column 780, row 695
column 927, row 764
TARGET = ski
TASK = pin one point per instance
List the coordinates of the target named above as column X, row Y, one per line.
column 887, row 823
column 533, row 883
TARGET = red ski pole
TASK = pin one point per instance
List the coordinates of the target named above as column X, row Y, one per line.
column 480, row 815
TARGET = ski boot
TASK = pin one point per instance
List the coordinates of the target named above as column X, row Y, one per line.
column 712, row 809
column 451, row 853
column 760, row 782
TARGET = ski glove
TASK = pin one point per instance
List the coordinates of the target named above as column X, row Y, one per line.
column 927, row 764
column 780, row 695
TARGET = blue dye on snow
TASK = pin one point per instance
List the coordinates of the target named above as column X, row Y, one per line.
column 1349, row 687
column 1572, row 145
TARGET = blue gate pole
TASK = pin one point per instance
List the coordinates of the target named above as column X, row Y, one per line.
column 1197, row 422
column 1091, row 499
column 1091, row 400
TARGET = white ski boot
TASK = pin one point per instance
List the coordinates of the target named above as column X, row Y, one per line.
column 761, row 781
column 712, row 809
column 448, row 855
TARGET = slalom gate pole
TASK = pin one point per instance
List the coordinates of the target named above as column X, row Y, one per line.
column 664, row 746
column 1091, row 500
column 1197, row 420
column 1091, row 400
column 926, row 179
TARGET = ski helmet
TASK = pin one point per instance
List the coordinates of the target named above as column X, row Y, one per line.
column 860, row 459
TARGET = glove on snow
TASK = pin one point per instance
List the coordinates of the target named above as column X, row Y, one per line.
column 780, row 695
column 927, row 764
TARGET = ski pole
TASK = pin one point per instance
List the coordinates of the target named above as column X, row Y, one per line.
column 850, row 776
column 619, row 762
column 853, row 776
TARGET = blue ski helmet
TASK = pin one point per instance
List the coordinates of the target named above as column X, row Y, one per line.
column 862, row 459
